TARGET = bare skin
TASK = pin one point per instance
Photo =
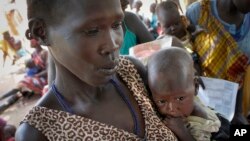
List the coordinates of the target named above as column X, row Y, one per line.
column 83, row 79
column 173, row 93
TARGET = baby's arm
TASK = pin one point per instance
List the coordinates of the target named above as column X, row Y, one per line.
column 177, row 125
column 199, row 110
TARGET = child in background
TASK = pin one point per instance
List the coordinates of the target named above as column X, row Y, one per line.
column 174, row 95
column 172, row 23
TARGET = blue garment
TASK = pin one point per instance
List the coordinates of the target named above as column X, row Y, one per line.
column 154, row 21
column 130, row 40
column 22, row 52
column 154, row 25
column 241, row 35
column 32, row 71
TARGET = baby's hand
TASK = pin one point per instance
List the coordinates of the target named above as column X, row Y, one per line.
column 176, row 124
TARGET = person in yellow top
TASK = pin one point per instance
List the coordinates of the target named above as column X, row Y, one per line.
column 224, row 48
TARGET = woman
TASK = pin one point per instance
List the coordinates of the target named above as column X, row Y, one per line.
column 96, row 95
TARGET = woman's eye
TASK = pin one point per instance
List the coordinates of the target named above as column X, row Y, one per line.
column 180, row 98
column 91, row 32
column 117, row 25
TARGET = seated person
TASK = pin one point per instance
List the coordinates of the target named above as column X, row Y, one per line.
column 12, row 47
column 35, row 79
column 96, row 95
column 174, row 95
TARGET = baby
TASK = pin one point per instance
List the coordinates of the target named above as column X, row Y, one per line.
column 174, row 88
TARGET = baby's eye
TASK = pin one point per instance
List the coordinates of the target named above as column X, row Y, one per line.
column 161, row 102
column 116, row 25
column 180, row 98
column 92, row 31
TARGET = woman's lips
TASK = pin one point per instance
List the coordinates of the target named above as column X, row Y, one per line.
column 108, row 71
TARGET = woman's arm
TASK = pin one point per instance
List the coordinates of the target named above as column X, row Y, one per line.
column 137, row 27
column 25, row 132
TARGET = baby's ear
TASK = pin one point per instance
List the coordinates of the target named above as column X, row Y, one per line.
column 38, row 30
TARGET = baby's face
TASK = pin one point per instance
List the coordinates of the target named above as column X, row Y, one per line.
column 176, row 103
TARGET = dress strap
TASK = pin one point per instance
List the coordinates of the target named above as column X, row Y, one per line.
column 61, row 99
column 127, row 101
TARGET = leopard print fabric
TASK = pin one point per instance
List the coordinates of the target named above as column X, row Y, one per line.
column 59, row 125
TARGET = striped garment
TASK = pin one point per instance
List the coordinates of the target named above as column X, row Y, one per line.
column 218, row 51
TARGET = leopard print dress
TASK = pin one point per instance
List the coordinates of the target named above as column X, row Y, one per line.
column 59, row 125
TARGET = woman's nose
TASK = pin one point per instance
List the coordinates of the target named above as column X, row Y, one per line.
column 110, row 45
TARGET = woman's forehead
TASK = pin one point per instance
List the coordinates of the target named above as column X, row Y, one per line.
column 84, row 11
column 93, row 5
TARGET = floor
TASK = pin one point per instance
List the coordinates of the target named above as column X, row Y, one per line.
column 9, row 76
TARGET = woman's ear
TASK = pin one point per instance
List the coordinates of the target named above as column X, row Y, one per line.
column 38, row 30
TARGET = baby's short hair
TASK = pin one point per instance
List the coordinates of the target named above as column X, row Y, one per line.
column 167, row 5
column 175, row 67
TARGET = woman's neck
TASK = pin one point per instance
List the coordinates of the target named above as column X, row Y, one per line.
column 229, row 13
column 73, row 88
column 227, row 6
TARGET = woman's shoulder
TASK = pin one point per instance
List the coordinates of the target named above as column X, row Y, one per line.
column 130, row 16
column 193, row 12
column 135, row 25
column 131, row 21
column 141, row 69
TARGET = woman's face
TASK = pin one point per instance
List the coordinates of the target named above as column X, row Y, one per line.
column 88, row 39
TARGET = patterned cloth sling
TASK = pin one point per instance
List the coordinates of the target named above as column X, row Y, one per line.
column 219, row 53
column 58, row 125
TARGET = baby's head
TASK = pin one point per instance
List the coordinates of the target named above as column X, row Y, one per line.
column 170, row 19
column 172, row 82
column 29, row 63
